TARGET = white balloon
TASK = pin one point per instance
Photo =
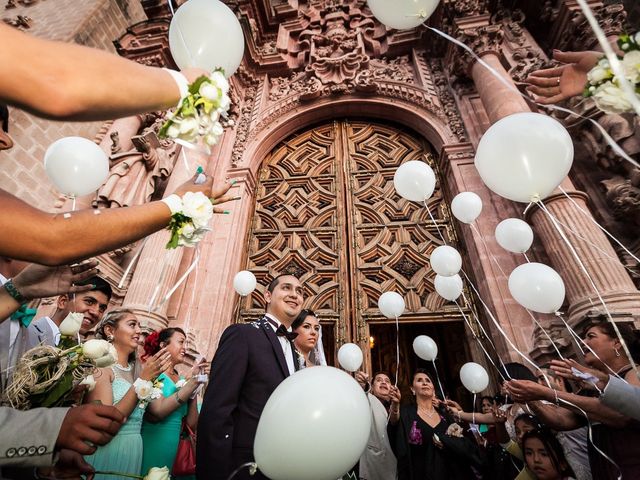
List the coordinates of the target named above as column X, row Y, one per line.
column 449, row 288
column 206, row 34
column 391, row 304
column 446, row 261
column 474, row 377
column 414, row 180
column 402, row 14
column 425, row 348
column 524, row 156
column 514, row 235
column 244, row 282
column 312, row 409
column 537, row 287
column 76, row 166
column 466, row 207
column 350, row 357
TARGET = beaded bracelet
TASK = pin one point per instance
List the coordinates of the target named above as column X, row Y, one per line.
column 14, row 293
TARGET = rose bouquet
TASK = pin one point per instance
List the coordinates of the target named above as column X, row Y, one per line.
column 604, row 87
column 49, row 376
column 190, row 220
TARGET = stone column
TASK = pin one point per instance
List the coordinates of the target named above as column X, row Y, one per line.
column 608, row 273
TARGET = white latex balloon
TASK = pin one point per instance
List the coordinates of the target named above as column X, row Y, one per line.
column 350, row 357
column 448, row 288
column 244, row 282
column 466, row 207
column 76, row 166
column 474, row 377
column 391, row 304
column 524, row 155
column 206, row 34
column 537, row 287
column 425, row 348
column 514, row 235
column 415, row 181
column 446, row 261
column 402, row 14
column 313, row 409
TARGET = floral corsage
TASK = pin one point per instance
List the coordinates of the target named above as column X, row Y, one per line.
column 603, row 85
column 202, row 113
column 146, row 390
column 189, row 220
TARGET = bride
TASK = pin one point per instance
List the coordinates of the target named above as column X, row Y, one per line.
column 308, row 343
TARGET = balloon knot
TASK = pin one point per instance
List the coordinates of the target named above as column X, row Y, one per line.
column 558, row 313
column 253, row 468
column 422, row 14
column 535, row 198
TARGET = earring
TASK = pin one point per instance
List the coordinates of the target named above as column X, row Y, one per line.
column 110, row 338
column 413, row 392
column 617, row 352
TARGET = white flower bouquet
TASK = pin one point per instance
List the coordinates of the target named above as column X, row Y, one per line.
column 147, row 390
column 604, row 87
column 190, row 223
column 202, row 113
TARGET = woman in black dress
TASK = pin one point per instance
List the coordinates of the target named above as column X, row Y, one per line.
column 425, row 446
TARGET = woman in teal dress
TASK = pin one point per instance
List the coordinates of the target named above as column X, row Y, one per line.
column 163, row 419
column 114, row 386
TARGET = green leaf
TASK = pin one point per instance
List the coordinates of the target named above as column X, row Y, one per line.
column 62, row 388
column 194, row 88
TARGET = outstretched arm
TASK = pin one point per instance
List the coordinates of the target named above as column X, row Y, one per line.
column 65, row 81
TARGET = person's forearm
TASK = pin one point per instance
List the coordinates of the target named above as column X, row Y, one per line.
column 72, row 82
column 558, row 418
column 162, row 407
column 595, row 409
column 192, row 414
column 32, row 235
column 477, row 417
column 8, row 305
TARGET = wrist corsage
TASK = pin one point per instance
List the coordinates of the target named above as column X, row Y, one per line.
column 604, row 87
column 201, row 113
column 146, row 390
column 190, row 217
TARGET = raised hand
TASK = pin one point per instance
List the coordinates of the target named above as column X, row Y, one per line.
column 567, row 369
column 362, row 378
column 155, row 365
column 38, row 281
column 527, row 391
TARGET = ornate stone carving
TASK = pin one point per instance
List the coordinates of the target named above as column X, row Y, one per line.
column 623, row 196
column 482, row 39
column 449, row 106
column 147, row 43
column 576, row 34
column 462, row 8
column 243, row 125
column 21, row 22
column 399, row 69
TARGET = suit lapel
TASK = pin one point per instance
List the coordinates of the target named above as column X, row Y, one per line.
column 5, row 328
column 275, row 343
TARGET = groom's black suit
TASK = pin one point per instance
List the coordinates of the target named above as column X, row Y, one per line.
column 248, row 366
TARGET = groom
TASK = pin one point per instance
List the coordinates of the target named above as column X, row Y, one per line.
column 251, row 361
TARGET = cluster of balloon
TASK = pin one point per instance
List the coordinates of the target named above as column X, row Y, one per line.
column 524, row 156
column 402, row 14
column 311, row 409
column 244, row 282
column 350, row 357
column 76, row 166
column 537, row 287
column 425, row 348
column 514, row 235
column 206, row 34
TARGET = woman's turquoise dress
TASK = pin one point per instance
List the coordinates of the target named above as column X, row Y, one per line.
column 161, row 439
column 123, row 453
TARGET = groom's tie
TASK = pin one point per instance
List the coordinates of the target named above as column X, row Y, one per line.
column 281, row 331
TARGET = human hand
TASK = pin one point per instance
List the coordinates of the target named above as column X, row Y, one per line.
column 395, row 396
column 89, row 425
column 200, row 367
column 217, row 195
column 499, row 414
column 70, row 466
column 363, row 379
column 527, row 391
column 38, row 281
column 552, row 85
column 155, row 365
column 452, row 406
column 566, row 369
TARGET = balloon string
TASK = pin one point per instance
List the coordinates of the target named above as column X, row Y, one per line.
column 435, row 368
column 180, row 280
column 610, row 141
column 194, row 289
column 156, row 289
column 73, row 203
column 132, row 262
column 473, row 411
column 468, row 323
column 525, row 257
column 433, row 220
column 397, row 350
column 535, row 320
column 253, row 466
column 477, row 231
column 593, row 285
column 590, row 217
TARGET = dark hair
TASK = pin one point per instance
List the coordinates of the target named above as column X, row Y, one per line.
column 531, row 419
column 421, row 370
column 380, row 372
column 628, row 333
column 301, row 316
column 486, row 397
column 517, row 371
column 111, row 319
column 553, row 448
column 274, row 283
column 154, row 339
column 101, row 285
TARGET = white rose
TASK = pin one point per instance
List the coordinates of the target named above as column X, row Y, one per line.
column 107, row 359
column 197, row 207
column 173, row 131
column 95, row 348
column 597, row 74
column 143, row 388
column 156, row 393
column 218, row 79
column 210, row 92
column 217, row 129
column 71, row 324
column 157, row 474
column 90, row 382
column 224, row 104
column 611, row 99
column 194, row 239
column 187, row 230
column 211, row 139
column 631, row 65
column 188, row 125
column 214, row 116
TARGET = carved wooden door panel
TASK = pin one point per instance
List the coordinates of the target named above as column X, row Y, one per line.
column 326, row 211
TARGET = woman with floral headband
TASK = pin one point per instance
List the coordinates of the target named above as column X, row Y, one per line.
column 425, row 443
column 164, row 416
column 118, row 386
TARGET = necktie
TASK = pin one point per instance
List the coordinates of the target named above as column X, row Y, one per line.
column 281, row 331
column 24, row 315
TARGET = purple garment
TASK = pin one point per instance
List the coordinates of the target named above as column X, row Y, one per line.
column 415, row 435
